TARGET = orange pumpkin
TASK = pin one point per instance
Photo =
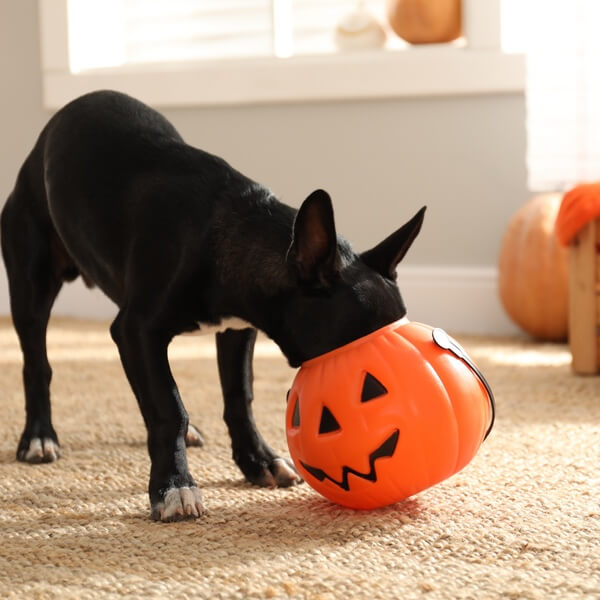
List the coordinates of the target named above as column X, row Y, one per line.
column 386, row 416
column 532, row 271
column 425, row 21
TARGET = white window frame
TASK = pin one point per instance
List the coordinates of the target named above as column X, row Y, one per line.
column 433, row 70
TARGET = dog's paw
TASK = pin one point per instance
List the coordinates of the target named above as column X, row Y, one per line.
column 280, row 472
column 193, row 437
column 38, row 450
column 178, row 504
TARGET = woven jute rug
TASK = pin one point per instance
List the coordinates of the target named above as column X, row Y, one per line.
column 521, row 521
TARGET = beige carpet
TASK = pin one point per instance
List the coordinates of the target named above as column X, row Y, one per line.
column 521, row 521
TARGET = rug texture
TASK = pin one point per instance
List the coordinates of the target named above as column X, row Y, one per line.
column 521, row 521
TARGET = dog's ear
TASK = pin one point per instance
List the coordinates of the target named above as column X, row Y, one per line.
column 384, row 257
column 314, row 243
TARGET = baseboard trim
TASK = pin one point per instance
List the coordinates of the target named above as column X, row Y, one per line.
column 459, row 299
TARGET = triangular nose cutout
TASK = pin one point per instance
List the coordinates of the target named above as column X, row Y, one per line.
column 372, row 388
column 328, row 422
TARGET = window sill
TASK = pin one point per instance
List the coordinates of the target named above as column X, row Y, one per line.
column 437, row 70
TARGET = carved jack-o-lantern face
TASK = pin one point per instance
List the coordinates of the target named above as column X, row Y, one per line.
column 386, row 416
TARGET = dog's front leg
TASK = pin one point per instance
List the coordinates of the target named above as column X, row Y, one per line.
column 256, row 459
column 143, row 350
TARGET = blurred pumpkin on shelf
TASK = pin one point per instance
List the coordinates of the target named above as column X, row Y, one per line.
column 425, row 21
column 532, row 272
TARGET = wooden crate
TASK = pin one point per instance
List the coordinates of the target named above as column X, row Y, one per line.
column 584, row 299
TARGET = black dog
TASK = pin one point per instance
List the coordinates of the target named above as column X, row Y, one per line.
column 179, row 240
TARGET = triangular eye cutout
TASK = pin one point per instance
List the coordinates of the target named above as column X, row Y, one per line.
column 296, row 415
column 372, row 388
column 328, row 422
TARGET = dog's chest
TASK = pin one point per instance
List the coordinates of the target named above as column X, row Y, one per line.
column 229, row 323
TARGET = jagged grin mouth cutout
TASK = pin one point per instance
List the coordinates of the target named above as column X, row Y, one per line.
column 385, row 450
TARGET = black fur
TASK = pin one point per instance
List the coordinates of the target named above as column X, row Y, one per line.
column 176, row 237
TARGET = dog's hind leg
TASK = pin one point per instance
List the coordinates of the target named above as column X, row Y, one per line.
column 256, row 459
column 34, row 282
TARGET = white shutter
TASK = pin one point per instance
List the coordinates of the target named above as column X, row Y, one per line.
column 180, row 30
column 563, row 93
column 134, row 32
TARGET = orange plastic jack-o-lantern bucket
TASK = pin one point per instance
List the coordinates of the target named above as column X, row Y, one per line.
column 387, row 415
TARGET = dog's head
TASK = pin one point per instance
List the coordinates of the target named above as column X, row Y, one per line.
column 340, row 296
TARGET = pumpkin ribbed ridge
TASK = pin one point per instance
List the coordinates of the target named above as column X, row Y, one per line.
column 415, row 333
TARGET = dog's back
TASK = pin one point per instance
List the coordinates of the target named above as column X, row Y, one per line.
column 108, row 159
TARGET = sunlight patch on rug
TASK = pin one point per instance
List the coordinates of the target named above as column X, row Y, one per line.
column 547, row 356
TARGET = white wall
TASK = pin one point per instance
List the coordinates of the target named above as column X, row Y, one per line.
column 381, row 160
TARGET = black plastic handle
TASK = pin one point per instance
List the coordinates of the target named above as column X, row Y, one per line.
column 443, row 340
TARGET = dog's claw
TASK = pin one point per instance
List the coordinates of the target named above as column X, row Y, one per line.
column 193, row 437
column 39, row 451
column 285, row 473
column 268, row 470
column 267, row 480
column 280, row 473
column 178, row 504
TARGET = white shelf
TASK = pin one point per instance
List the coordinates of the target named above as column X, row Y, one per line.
column 431, row 71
